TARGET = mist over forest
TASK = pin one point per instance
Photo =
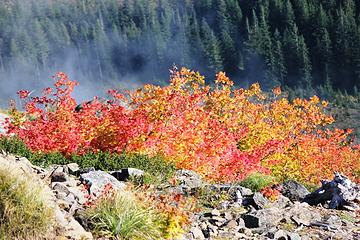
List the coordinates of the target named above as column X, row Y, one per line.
column 301, row 44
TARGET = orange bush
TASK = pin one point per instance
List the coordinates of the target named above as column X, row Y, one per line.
column 221, row 132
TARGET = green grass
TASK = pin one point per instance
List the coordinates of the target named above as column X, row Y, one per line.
column 157, row 168
column 25, row 212
column 121, row 216
column 257, row 181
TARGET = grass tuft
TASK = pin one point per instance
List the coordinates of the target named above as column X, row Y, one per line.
column 257, row 181
column 121, row 216
column 25, row 212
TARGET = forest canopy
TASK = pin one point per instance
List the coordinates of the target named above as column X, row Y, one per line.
column 295, row 43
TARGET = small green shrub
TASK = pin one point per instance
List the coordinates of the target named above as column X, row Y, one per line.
column 310, row 187
column 121, row 216
column 257, row 181
column 25, row 213
column 211, row 198
column 15, row 146
column 157, row 168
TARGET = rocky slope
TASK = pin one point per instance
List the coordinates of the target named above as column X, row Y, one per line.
column 236, row 213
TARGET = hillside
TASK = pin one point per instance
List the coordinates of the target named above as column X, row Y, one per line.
column 297, row 43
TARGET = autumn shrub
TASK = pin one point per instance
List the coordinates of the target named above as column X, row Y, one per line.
column 176, row 210
column 271, row 193
column 25, row 212
column 221, row 132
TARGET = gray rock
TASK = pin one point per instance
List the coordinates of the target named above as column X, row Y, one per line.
column 293, row 236
column 259, row 201
column 124, row 174
column 84, row 170
column 197, row 233
column 281, row 202
column 59, row 187
column 215, row 212
column 69, row 227
column 225, row 205
column 217, row 221
column 79, row 194
column 58, row 177
column 188, row 178
column 71, row 182
column 339, row 192
column 97, row 181
column 241, row 223
column 73, row 168
column 334, row 221
column 302, row 214
column 244, row 191
column 60, row 195
column 232, row 224
column 58, row 169
column 228, row 216
column 263, row 218
column 280, row 235
column 293, row 190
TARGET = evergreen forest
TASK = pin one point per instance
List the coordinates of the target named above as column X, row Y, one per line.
column 303, row 44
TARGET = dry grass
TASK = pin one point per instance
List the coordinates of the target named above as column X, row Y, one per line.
column 25, row 212
column 121, row 216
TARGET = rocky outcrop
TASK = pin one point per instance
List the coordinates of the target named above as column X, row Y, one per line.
column 233, row 212
column 338, row 193
column 248, row 215
column 68, row 192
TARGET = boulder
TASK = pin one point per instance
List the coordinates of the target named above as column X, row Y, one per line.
column 281, row 202
column 188, row 179
column 293, row 190
column 58, row 177
column 262, row 218
column 69, row 227
column 339, row 193
column 72, row 168
column 84, row 170
column 215, row 212
column 259, row 201
column 281, row 235
column 124, row 174
column 293, row 236
column 302, row 214
column 197, row 233
column 97, row 180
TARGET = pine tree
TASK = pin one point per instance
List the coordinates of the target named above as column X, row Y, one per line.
column 305, row 66
column 278, row 68
column 41, row 43
column 291, row 53
column 212, row 48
